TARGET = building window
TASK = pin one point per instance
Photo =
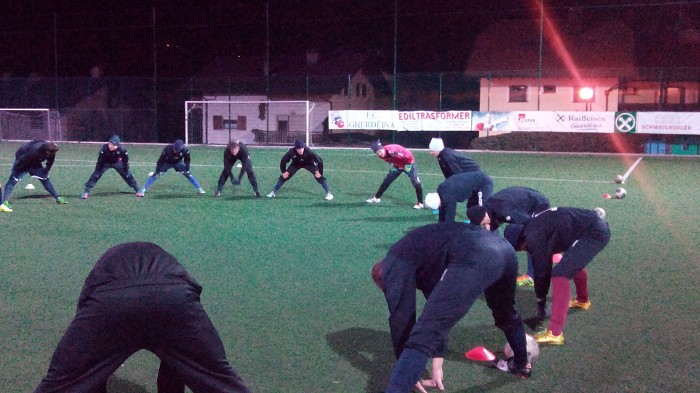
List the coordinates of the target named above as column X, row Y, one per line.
column 517, row 93
column 361, row 90
column 283, row 123
column 549, row 89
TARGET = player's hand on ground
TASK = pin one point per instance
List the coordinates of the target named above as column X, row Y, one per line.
column 419, row 387
column 317, row 174
column 436, row 374
column 236, row 182
column 285, row 175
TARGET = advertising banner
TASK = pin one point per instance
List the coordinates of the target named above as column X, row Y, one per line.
column 363, row 120
column 674, row 123
column 435, row 121
column 598, row 122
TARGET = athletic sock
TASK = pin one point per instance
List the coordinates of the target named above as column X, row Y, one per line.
column 561, row 294
column 581, row 284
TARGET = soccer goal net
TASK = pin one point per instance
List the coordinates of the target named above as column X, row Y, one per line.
column 29, row 123
column 253, row 122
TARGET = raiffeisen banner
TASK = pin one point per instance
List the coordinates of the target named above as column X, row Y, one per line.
column 363, row 120
column 598, row 122
column 435, row 121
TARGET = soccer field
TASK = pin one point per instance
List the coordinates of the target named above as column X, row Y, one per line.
column 286, row 280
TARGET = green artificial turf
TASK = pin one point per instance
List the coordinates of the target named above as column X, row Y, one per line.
column 286, row 280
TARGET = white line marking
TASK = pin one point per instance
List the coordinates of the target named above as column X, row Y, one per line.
column 629, row 171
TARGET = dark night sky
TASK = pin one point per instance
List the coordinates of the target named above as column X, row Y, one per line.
column 435, row 36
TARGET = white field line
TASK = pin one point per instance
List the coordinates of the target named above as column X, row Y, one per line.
column 629, row 171
column 91, row 163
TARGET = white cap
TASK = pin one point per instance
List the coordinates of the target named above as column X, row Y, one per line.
column 432, row 201
column 436, row 145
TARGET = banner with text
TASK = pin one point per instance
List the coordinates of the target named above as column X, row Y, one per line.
column 363, row 120
column 435, row 121
column 493, row 123
column 598, row 122
column 675, row 123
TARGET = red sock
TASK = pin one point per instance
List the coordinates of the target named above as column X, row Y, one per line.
column 581, row 284
column 561, row 294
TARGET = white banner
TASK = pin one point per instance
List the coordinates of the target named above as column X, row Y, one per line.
column 599, row 122
column 435, row 121
column 363, row 120
column 675, row 123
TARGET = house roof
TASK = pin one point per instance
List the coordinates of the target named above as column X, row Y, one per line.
column 512, row 48
column 327, row 75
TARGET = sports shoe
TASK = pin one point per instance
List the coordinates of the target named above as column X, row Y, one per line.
column 418, row 206
column 217, row 194
column 271, row 194
column 201, row 190
column 139, row 194
column 525, row 281
column 61, row 201
column 84, row 196
column 508, row 365
column 257, row 194
column 329, row 197
column 4, row 208
column 585, row 306
column 547, row 337
column 7, row 205
column 373, row 200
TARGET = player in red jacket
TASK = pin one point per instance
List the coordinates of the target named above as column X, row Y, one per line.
column 402, row 161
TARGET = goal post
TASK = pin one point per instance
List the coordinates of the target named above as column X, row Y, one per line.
column 30, row 123
column 261, row 122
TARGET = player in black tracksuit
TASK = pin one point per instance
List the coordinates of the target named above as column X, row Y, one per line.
column 175, row 156
column 516, row 205
column 136, row 297
column 473, row 187
column 580, row 234
column 471, row 183
column 28, row 159
column 301, row 157
column 236, row 151
column 452, row 264
column 112, row 155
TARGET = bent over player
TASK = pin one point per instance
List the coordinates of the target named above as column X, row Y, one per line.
column 112, row 155
column 175, row 156
column 136, row 297
column 580, row 234
column 29, row 158
column 452, row 264
column 402, row 161
column 236, row 151
column 301, row 157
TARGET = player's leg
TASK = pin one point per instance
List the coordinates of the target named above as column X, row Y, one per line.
column 500, row 298
column 417, row 185
column 192, row 352
column 448, row 303
column 248, row 167
column 14, row 178
column 127, row 176
column 393, row 174
column 399, row 281
column 92, row 348
column 96, row 175
column 225, row 175
column 291, row 170
column 154, row 176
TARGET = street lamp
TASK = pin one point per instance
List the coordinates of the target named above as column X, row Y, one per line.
column 585, row 94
